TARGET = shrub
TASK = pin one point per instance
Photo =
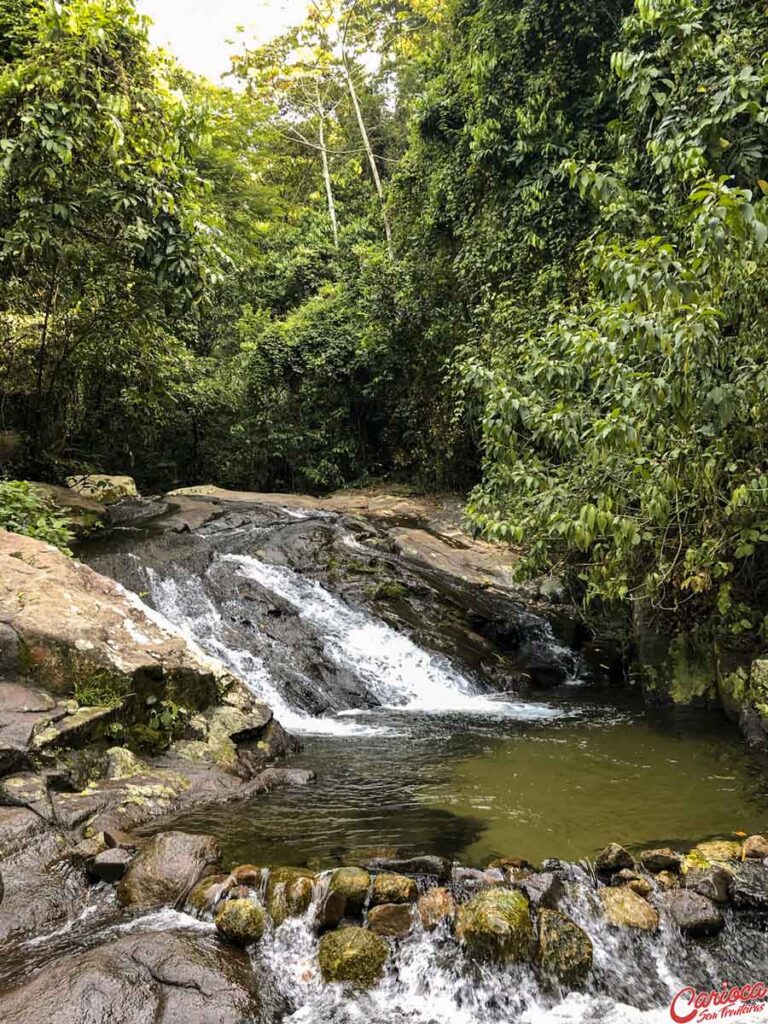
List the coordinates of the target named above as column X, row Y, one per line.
column 23, row 509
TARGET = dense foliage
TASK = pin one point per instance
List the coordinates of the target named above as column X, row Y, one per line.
column 23, row 509
column 511, row 244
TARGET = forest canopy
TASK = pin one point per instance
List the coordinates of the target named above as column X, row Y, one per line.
column 514, row 248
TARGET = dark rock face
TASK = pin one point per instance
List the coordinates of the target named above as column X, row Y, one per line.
column 390, row 919
column 146, row 978
column 435, row 867
column 694, row 914
column 564, row 952
column 167, row 869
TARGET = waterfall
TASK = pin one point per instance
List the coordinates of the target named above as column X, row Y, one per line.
column 393, row 671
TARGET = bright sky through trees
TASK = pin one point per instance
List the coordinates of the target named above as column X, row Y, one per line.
column 196, row 31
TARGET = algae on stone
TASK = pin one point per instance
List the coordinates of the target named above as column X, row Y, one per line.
column 241, row 921
column 354, row 956
column 496, row 925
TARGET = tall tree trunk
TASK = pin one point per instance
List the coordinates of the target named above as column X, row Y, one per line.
column 369, row 151
column 327, row 172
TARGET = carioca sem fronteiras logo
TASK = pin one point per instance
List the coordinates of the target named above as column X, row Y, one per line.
column 691, row 1005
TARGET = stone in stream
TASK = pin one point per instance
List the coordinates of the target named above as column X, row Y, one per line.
column 496, row 925
column 391, row 888
column 713, row 851
column 171, row 977
column 392, row 920
column 241, row 921
column 332, row 908
column 438, row 867
column 664, row 859
column 289, row 893
column 248, row 874
column 755, row 848
column 715, row 883
column 110, row 865
column 543, row 890
column 167, row 869
column 564, row 953
column 667, row 880
column 612, row 859
column 353, row 884
column 625, row 909
column 436, row 906
column 208, row 892
column 694, row 914
column 354, row 955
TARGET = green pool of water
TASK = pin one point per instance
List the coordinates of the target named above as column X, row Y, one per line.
column 474, row 787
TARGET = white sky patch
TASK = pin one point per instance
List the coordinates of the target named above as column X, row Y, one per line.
column 196, row 31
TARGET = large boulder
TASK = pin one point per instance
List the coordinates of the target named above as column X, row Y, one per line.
column 142, row 978
column 625, row 909
column 167, row 869
column 755, row 848
column 354, row 956
column 564, row 950
column 496, row 925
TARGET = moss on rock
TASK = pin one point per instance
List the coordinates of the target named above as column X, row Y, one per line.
column 391, row 888
column 289, row 893
column 565, row 950
column 353, row 956
column 496, row 925
column 241, row 921
column 353, row 884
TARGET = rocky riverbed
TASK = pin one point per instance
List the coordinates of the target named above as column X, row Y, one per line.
column 167, row 853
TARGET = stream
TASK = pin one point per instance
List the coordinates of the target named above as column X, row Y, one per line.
column 418, row 749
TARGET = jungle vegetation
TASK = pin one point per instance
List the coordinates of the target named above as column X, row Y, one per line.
column 514, row 248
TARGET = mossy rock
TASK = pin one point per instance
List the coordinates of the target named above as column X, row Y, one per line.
column 353, row 956
column 623, row 908
column 241, row 921
column 392, row 888
column 496, row 925
column 353, row 884
column 202, row 896
column 289, row 893
column 565, row 950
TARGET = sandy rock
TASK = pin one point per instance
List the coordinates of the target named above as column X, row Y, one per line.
column 103, row 488
column 755, row 848
column 661, row 860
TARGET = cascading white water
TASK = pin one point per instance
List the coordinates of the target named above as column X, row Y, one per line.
column 395, row 672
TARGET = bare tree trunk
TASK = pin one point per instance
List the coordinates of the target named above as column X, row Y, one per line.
column 327, row 173
column 369, row 151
